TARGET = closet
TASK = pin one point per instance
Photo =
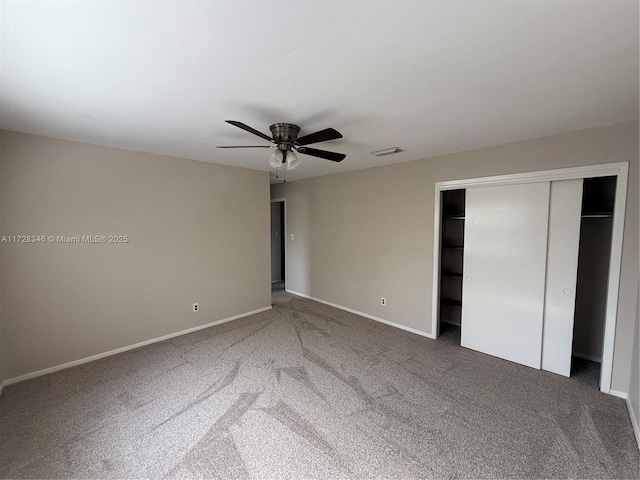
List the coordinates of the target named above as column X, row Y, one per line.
column 524, row 268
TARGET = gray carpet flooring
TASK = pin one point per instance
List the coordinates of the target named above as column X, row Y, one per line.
column 309, row 391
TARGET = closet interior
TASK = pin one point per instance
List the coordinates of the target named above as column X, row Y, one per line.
column 596, row 226
column 452, row 255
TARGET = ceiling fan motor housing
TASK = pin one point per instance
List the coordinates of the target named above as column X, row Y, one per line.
column 284, row 134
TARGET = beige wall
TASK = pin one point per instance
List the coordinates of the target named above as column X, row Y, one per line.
column 369, row 233
column 197, row 232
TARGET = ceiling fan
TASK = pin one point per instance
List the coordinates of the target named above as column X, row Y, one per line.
column 285, row 141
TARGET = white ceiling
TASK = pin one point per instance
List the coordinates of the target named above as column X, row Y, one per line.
column 429, row 77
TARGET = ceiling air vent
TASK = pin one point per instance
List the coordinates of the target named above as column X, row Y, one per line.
column 386, row 151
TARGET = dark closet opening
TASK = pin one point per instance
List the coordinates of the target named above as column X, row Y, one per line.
column 596, row 227
column 451, row 261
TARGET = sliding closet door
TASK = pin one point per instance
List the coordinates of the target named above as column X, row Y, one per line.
column 562, row 272
column 504, row 270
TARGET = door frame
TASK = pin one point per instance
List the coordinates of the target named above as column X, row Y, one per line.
column 284, row 239
column 619, row 170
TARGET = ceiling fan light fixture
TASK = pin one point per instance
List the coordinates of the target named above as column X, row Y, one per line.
column 292, row 160
column 386, row 151
column 276, row 158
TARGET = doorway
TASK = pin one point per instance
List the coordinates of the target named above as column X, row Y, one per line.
column 278, row 244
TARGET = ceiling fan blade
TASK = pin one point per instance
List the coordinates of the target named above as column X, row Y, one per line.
column 321, row 136
column 334, row 157
column 245, row 146
column 249, row 129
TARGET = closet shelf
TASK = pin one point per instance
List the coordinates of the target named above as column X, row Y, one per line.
column 451, row 302
column 454, row 247
column 597, row 215
column 455, row 216
column 446, row 273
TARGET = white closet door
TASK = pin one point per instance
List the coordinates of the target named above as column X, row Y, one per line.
column 505, row 250
column 562, row 271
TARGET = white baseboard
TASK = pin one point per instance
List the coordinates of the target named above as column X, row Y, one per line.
column 634, row 422
column 366, row 315
column 80, row 361
column 619, row 394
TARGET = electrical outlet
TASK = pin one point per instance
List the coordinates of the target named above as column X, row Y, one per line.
column 383, row 301
column 196, row 307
